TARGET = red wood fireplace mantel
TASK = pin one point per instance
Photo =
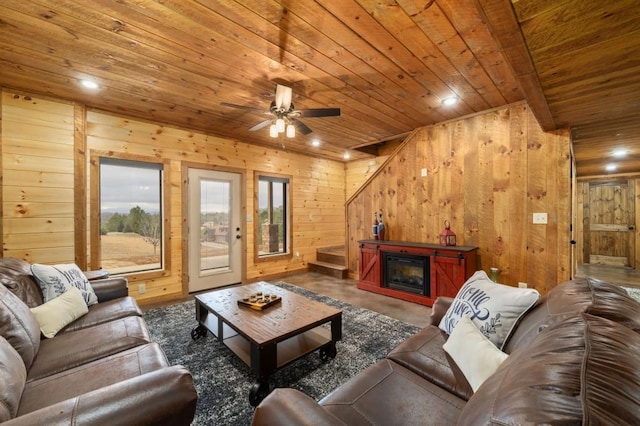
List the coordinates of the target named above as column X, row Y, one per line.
column 449, row 268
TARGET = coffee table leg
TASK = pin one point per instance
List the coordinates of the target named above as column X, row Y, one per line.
column 328, row 351
column 198, row 332
column 258, row 392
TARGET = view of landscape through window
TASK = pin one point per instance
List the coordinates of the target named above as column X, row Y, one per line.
column 130, row 216
column 272, row 237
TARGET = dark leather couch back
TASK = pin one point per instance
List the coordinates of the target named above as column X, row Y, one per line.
column 16, row 275
column 573, row 372
column 579, row 295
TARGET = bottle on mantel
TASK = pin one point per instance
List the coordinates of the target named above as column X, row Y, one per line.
column 375, row 225
column 381, row 229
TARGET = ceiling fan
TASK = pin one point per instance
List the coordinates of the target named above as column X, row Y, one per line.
column 284, row 116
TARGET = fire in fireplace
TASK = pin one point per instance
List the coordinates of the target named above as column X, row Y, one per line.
column 407, row 272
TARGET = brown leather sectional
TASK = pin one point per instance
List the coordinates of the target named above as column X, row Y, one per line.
column 574, row 358
column 100, row 369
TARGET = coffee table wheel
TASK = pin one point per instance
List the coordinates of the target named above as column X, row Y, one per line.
column 258, row 392
column 198, row 332
column 328, row 351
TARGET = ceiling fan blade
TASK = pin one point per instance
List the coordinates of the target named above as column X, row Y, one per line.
column 246, row 108
column 318, row 112
column 301, row 127
column 261, row 125
column 283, row 97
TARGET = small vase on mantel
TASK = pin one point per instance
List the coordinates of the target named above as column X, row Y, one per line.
column 375, row 225
column 381, row 229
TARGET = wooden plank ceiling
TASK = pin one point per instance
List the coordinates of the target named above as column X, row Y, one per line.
column 386, row 64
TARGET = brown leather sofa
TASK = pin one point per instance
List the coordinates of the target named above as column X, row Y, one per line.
column 100, row 369
column 574, row 358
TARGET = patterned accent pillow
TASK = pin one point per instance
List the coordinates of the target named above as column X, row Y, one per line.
column 494, row 308
column 57, row 279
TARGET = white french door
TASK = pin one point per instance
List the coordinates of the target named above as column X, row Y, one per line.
column 215, row 229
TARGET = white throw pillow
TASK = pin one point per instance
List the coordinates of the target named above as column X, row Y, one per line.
column 56, row 314
column 494, row 308
column 476, row 356
column 54, row 280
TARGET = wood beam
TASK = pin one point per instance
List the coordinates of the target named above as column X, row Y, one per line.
column 503, row 23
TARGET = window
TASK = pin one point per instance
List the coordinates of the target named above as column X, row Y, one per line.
column 128, row 233
column 273, row 216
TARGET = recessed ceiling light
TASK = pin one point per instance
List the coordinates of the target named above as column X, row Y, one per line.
column 89, row 84
column 611, row 167
column 315, row 142
column 620, row 152
column 346, row 156
column 451, row 100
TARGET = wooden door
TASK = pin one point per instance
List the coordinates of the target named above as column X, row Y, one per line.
column 609, row 228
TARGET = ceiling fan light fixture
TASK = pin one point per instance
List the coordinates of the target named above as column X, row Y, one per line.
column 273, row 131
column 291, row 131
column 280, row 125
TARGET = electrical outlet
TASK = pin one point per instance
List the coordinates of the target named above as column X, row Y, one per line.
column 297, row 255
column 142, row 288
column 540, row 218
column 423, row 172
column 522, row 285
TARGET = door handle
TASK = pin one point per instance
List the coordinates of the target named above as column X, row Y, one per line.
column 238, row 237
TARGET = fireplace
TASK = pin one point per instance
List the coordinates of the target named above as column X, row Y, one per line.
column 406, row 272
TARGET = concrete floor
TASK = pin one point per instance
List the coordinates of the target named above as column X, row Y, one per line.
column 346, row 291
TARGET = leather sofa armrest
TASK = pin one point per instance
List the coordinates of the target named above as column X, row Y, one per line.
column 290, row 407
column 162, row 397
column 110, row 288
column 439, row 308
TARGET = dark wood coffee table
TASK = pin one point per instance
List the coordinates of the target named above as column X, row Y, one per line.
column 269, row 339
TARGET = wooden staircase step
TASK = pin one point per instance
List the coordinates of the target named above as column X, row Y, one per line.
column 331, row 269
column 331, row 256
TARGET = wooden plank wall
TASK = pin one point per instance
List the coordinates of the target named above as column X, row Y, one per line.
column 38, row 190
column 487, row 174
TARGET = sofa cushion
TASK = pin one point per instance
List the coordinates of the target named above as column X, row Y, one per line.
column 423, row 354
column 15, row 274
column 580, row 295
column 494, row 308
column 583, row 370
column 18, row 326
column 60, row 312
column 388, row 394
column 104, row 312
column 473, row 353
column 54, row 280
column 80, row 347
column 12, row 380
column 91, row 376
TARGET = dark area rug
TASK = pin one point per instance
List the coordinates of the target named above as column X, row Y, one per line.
column 223, row 381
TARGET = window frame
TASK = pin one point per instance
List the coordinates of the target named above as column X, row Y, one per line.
column 288, row 217
column 95, row 225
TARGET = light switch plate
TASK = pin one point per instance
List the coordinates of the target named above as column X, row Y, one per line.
column 540, row 218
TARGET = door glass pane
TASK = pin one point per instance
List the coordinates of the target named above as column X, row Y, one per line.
column 215, row 208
